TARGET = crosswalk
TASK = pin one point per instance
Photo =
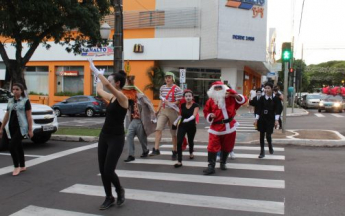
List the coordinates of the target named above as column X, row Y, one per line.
column 245, row 173
column 320, row 115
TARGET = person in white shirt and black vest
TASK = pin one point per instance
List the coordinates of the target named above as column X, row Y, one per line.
column 267, row 116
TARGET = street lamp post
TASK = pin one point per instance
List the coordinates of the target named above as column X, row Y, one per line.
column 118, row 35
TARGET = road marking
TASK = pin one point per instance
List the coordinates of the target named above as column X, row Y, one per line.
column 251, row 156
column 50, row 157
column 8, row 154
column 219, row 180
column 204, row 164
column 39, row 211
column 186, row 199
column 236, row 147
column 319, row 115
column 337, row 115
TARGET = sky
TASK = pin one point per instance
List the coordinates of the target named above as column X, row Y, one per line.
column 322, row 30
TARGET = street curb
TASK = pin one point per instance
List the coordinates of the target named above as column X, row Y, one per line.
column 294, row 142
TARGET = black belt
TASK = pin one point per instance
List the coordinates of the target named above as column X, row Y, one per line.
column 223, row 121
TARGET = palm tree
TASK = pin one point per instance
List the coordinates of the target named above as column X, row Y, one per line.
column 156, row 76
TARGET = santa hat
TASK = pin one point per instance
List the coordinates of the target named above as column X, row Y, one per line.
column 218, row 83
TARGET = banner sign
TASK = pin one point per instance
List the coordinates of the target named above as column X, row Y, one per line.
column 97, row 51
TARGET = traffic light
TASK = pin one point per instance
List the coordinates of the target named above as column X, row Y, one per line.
column 291, row 70
column 286, row 52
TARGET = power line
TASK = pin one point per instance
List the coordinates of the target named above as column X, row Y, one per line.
column 300, row 22
column 142, row 5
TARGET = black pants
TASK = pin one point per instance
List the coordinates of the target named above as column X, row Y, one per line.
column 109, row 151
column 262, row 138
column 15, row 146
column 182, row 131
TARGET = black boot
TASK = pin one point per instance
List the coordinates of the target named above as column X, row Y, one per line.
column 212, row 156
column 270, row 146
column 120, row 197
column 223, row 157
column 174, row 155
column 262, row 151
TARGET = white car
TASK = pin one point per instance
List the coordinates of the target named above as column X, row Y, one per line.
column 44, row 119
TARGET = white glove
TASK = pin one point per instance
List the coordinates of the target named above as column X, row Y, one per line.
column 162, row 98
column 176, row 121
column 188, row 119
column 97, row 79
column 95, row 71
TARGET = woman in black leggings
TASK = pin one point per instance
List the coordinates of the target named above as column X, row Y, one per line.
column 112, row 136
column 19, row 120
column 186, row 124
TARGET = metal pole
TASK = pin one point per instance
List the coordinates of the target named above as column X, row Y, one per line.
column 118, row 36
column 285, row 93
column 294, row 89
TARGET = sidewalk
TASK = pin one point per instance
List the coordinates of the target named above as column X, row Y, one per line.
column 325, row 138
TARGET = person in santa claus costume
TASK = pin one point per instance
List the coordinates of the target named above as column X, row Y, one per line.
column 219, row 111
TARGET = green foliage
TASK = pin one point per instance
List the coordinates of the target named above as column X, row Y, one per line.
column 78, row 131
column 326, row 74
column 37, row 93
column 67, row 93
column 156, row 76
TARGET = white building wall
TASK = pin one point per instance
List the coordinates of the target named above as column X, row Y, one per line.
column 177, row 32
column 230, row 74
column 235, row 21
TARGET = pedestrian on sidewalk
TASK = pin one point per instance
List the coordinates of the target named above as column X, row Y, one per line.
column 112, row 136
column 186, row 125
column 19, row 119
column 267, row 117
column 252, row 95
column 170, row 95
column 141, row 115
column 255, row 100
column 219, row 111
column 277, row 93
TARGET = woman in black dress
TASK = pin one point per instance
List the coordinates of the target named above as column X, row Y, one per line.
column 266, row 117
column 186, row 125
column 112, row 136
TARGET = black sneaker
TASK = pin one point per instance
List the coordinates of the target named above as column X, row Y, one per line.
column 145, row 154
column 174, row 155
column 120, row 197
column 155, row 152
column 108, row 202
column 130, row 158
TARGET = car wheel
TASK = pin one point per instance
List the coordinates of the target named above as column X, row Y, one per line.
column 41, row 138
column 89, row 112
column 57, row 112
column 319, row 110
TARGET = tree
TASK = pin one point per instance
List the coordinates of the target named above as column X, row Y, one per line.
column 74, row 23
column 156, row 76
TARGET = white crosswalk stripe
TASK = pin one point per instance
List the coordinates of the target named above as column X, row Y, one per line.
column 39, row 211
column 250, row 156
column 186, row 199
column 204, row 164
column 319, row 115
column 337, row 115
column 271, row 164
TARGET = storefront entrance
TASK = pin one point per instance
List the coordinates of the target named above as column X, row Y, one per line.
column 199, row 81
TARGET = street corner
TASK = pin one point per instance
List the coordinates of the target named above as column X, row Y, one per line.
column 73, row 138
column 330, row 135
column 300, row 113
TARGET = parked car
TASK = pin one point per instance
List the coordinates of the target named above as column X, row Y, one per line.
column 311, row 101
column 44, row 120
column 300, row 97
column 80, row 105
column 332, row 103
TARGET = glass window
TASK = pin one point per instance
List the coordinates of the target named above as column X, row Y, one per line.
column 37, row 79
column 72, row 100
column 70, row 80
column 83, row 99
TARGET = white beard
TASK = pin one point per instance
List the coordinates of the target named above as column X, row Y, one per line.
column 218, row 97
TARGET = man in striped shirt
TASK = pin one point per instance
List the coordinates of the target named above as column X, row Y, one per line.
column 170, row 95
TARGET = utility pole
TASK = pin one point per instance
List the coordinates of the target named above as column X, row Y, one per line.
column 286, row 57
column 118, row 36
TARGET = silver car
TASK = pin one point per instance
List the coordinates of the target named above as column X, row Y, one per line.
column 311, row 100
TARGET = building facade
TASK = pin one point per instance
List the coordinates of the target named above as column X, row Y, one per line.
column 211, row 39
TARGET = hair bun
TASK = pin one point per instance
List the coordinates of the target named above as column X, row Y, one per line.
column 122, row 72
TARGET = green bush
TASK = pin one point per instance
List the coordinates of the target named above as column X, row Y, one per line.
column 67, row 93
column 37, row 93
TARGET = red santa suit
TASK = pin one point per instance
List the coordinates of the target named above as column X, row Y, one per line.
column 222, row 135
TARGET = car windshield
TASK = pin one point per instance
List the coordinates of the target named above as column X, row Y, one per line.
column 332, row 98
column 314, row 96
column 4, row 95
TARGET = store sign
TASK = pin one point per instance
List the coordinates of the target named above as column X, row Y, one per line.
column 97, row 51
column 69, row 73
column 138, row 48
column 254, row 5
column 182, row 75
column 241, row 37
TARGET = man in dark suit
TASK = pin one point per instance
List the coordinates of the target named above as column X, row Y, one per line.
column 255, row 100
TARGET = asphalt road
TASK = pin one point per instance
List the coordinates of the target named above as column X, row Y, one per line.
column 64, row 177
